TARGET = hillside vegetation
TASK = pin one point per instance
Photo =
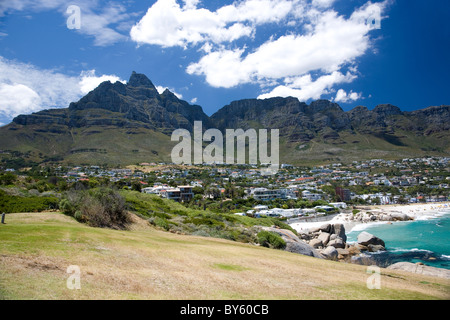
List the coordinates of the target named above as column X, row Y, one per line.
column 174, row 217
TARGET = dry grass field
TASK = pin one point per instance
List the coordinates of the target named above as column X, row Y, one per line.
column 144, row 263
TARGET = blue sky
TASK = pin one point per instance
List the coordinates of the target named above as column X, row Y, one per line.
column 353, row 52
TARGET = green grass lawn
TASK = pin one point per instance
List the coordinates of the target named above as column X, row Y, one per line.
column 145, row 263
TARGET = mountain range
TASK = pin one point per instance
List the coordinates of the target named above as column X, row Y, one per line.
column 120, row 124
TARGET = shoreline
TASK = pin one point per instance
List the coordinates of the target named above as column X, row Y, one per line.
column 415, row 211
column 375, row 216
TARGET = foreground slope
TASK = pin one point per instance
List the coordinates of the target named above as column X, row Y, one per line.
column 144, row 263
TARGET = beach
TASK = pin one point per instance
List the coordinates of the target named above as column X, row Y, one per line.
column 415, row 211
column 412, row 233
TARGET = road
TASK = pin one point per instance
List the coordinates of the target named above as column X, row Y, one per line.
column 312, row 218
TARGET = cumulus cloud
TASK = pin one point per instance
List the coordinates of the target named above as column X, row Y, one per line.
column 305, row 88
column 18, row 98
column 317, row 50
column 161, row 90
column 103, row 22
column 24, row 88
column 89, row 81
column 168, row 24
column 343, row 96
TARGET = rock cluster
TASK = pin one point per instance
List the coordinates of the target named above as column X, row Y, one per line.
column 293, row 243
column 331, row 242
column 373, row 216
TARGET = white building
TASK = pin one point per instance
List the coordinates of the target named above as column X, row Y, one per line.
column 339, row 205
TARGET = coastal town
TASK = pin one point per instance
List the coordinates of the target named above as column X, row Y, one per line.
column 329, row 187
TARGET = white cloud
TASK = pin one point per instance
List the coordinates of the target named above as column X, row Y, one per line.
column 304, row 88
column 25, row 88
column 223, row 68
column 89, row 81
column 104, row 25
column 328, row 45
column 343, row 96
column 194, row 100
column 334, row 42
column 161, row 90
column 323, row 3
column 102, row 21
column 168, row 24
column 18, row 98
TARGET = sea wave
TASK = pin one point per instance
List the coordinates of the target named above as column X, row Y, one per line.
column 368, row 225
column 393, row 250
column 426, row 217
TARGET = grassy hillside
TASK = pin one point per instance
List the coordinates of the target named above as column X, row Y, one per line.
column 358, row 146
column 93, row 145
column 112, row 145
column 174, row 217
column 145, row 263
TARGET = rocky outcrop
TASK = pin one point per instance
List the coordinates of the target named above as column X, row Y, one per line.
column 420, row 268
column 330, row 253
column 365, row 239
column 330, row 241
column 365, row 216
column 293, row 243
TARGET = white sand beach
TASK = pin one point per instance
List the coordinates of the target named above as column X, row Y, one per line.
column 414, row 211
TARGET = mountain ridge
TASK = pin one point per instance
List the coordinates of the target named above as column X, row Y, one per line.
column 132, row 122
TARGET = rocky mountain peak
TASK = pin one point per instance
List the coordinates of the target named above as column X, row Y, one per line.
column 387, row 110
column 140, row 80
column 324, row 106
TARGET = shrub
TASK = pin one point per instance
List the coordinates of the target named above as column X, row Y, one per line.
column 9, row 203
column 103, row 208
column 160, row 222
column 271, row 240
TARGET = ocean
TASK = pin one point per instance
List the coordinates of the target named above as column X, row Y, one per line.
column 426, row 240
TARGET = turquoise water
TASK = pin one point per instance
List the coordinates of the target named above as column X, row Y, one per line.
column 426, row 241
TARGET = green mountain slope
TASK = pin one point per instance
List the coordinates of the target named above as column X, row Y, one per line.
column 127, row 124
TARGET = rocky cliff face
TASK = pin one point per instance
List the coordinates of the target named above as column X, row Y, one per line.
column 124, row 105
column 319, row 131
column 301, row 122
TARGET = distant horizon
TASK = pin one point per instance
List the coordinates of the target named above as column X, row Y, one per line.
column 210, row 53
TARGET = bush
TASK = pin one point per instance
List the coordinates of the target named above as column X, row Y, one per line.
column 160, row 222
column 10, row 204
column 7, row 178
column 271, row 240
column 103, row 208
